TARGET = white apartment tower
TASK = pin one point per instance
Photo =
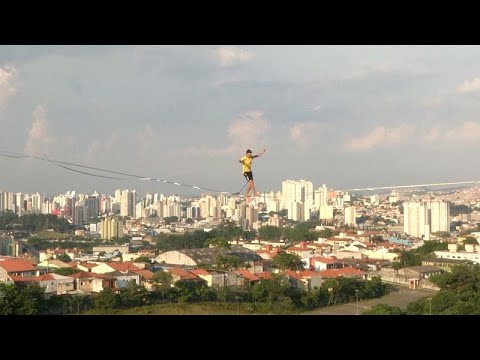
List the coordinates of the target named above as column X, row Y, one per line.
column 37, row 201
column 321, row 196
column 423, row 218
column 439, row 215
column 128, row 200
column 19, row 204
column 416, row 219
column 350, row 218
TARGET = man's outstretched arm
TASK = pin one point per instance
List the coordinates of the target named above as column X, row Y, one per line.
column 260, row 154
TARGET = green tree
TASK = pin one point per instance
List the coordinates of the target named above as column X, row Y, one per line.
column 189, row 291
column 66, row 271
column 162, row 281
column 456, row 210
column 228, row 262
column 384, row 309
column 219, row 243
column 31, row 300
column 470, row 240
column 270, row 290
column 442, row 234
column 283, row 213
column 325, row 234
column 133, row 295
column 286, row 261
column 270, row 233
column 143, row 259
column 170, row 219
column 106, row 299
column 377, row 239
column 9, row 299
column 64, row 258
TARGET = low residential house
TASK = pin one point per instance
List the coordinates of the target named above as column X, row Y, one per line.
column 213, row 278
column 184, row 275
column 146, row 278
column 419, row 272
column 305, row 280
column 206, row 256
column 111, row 248
column 320, row 248
column 51, row 265
column 16, row 267
column 445, row 263
column 269, row 252
column 301, row 250
column 124, row 278
column 111, row 267
column 346, row 271
column 234, row 279
column 91, row 282
column 381, row 254
column 86, row 266
column 55, row 253
column 248, row 277
column 53, row 283
column 347, row 254
column 319, row 263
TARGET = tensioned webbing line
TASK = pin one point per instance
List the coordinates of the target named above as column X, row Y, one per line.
column 63, row 165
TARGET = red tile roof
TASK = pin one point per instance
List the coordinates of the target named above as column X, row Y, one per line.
column 45, row 277
column 324, row 260
column 87, row 275
column 345, row 271
column 301, row 273
column 264, row 275
column 298, row 248
column 17, row 265
column 182, row 273
column 147, row 274
column 123, row 266
column 247, row 274
column 198, row 272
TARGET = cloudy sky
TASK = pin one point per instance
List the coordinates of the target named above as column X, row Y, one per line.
column 346, row 116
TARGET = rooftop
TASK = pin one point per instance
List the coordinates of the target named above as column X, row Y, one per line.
column 208, row 255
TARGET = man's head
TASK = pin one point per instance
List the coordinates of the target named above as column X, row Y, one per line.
column 248, row 153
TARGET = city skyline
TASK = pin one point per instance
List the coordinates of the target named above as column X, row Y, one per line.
column 346, row 116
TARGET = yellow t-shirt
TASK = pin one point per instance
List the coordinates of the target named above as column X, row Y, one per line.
column 247, row 164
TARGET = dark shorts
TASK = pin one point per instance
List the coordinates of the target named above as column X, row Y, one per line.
column 248, row 175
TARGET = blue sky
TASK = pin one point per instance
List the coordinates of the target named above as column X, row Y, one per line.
column 346, row 116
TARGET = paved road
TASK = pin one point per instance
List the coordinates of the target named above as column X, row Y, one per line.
column 400, row 298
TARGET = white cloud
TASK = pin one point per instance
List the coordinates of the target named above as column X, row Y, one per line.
column 146, row 140
column 106, row 146
column 8, row 75
column 366, row 71
column 38, row 140
column 469, row 85
column 232, row 55
column 468, row 131
column 246, row 131
column 380, row 136
column 303, row 133
column 432, row 136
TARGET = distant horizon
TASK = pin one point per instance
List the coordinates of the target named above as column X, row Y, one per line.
column 365, row 193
